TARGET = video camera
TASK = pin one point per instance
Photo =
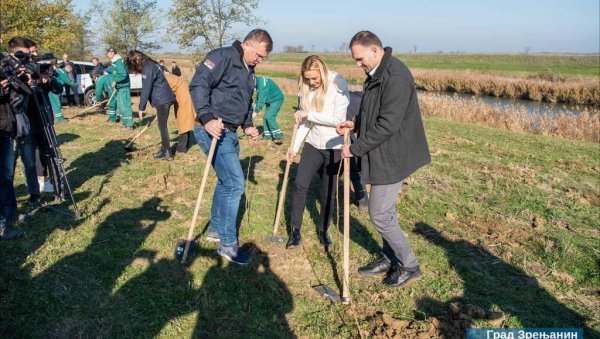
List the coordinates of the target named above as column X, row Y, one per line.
column 15, row 69
column 10, row 66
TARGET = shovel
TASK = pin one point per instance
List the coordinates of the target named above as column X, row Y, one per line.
column 274, row 238
column 190, row 239
column 325, row 290
column 97, row 104
column 129, row 147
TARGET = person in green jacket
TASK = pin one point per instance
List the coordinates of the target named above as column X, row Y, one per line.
column 63, row 79
column 269, row 96
column 121, row 84
column 103, row 87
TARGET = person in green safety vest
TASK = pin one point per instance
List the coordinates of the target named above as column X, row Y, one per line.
column 63, row 79
column 105, row 90
column 121, row 84
column 269, row 96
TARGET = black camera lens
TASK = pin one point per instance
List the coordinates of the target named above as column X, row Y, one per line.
column 22, row 56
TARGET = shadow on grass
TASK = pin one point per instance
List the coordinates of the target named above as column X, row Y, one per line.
column 232, row 301
column 102, row 162
column 70, row 298
column 489, row 281
column 64, row 138
column 248, row 167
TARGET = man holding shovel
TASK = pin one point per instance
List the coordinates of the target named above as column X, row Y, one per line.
column 104, row 89
column 121, row 84
column 391, row 144
column 222, row 88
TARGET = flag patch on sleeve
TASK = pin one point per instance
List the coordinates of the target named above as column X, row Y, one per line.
column 208, row 63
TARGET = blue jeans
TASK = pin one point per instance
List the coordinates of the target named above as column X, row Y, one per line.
column 26, row 147
column 8, row 201
column 230, row 184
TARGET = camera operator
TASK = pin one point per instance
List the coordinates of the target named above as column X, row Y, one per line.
column 51, row 87
column 28, row 144
column 15, row 83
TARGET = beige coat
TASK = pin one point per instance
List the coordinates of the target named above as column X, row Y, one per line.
column 186, row 113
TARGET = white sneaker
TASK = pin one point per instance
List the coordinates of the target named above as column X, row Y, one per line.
column 46, row 186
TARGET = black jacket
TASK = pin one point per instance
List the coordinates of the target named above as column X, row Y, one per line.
column 176, row 71
column 222, row 87
column 8, row 123
column 391, row 138
column 98, row 69
column 154, row 86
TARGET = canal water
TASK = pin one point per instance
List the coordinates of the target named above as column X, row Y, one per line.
column 533, row 107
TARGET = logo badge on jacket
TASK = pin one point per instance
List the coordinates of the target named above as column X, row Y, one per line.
column 208, row 63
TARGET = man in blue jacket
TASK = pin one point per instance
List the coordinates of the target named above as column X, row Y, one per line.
column 222, row 88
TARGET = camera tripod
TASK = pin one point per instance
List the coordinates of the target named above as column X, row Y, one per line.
column 51, row 150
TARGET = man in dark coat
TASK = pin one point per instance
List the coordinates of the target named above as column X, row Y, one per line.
column 98, row 69
column 222, row 88
column 392, row 145
column 175, row 70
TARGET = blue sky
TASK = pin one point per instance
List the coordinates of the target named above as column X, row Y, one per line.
column 430, row 25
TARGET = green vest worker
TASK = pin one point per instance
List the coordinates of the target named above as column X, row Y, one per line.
column 270, row 96
column 63, row 79
column 103, row 85
column 121, row 84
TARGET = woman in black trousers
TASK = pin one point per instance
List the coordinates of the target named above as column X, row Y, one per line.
column 323, row 101
column 156, row 90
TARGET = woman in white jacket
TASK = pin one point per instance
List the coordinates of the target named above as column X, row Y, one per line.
column 323, row 102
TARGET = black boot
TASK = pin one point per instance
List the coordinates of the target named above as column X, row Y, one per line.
column 324, row 238
column 294, row 239
column 182, row 143
column 163, row 154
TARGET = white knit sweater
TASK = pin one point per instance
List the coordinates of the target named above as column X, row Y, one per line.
column 319, row 127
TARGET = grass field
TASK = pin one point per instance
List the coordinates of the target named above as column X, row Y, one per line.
column 505, row 227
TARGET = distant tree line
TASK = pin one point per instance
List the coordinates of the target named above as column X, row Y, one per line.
column 294, row 49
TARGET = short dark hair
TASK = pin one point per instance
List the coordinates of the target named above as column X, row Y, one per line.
column 31, row 43
column 96, row 58
column 365, row 39
column 19, row 42
column 260, row 35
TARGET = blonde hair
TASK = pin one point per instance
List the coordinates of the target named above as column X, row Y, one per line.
column 313, row 63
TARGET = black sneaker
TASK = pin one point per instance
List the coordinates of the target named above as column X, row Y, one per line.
column 163, row 154
column 398, row 276
column 34, row 202
column 295, row 239
column 234, row 254
column 363, row 204
column 376, row 267
column 324, row 238
column 7, row 233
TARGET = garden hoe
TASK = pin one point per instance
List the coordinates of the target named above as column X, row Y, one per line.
column 129, row 147
column 274, row 238
column 325, row 290
column 186, row 246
